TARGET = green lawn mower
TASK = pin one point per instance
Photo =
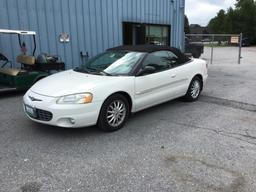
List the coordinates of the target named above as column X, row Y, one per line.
column 31, row 69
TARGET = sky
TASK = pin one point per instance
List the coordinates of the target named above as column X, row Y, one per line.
column 201, row 11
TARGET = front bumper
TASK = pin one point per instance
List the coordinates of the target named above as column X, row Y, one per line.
column 68, row 116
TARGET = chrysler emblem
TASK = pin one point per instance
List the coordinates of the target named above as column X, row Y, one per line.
column 34, row 99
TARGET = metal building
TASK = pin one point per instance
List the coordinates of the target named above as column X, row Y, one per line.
column 72, row 28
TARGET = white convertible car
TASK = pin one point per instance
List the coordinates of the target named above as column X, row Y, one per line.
column 114, row 84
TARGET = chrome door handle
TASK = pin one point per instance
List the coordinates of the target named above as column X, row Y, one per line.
column 173, row 76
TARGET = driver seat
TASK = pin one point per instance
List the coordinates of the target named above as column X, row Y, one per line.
column 26, row 60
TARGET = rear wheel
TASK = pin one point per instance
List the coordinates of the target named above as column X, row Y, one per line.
column 194, row 90
column 114, row 113
column 197, row 54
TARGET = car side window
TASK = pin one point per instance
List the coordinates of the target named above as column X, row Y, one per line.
column 159, row 60
column 174, row 59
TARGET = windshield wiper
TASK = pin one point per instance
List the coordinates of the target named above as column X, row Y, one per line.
column 86, row 70
column 91, row 69
column 82, row 70
column 98, row 71
column 105, row 73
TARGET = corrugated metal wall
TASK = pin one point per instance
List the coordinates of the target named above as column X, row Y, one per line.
column 93, row 25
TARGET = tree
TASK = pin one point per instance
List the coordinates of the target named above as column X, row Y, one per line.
column 186, row 25
column 247, row 17
column 241, row 19
column 217, row 24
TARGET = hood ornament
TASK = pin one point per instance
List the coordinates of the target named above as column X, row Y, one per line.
column 34, row 99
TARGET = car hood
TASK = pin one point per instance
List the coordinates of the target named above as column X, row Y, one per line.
column 67, row 82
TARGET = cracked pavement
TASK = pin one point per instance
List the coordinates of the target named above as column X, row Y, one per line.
column 209, row 145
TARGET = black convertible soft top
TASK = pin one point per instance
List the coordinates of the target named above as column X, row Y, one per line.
column 150, row 49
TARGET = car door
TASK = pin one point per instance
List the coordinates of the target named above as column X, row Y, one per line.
column 161, row 85
column 182, row 71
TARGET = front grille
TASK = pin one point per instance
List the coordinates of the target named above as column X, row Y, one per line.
column 43, row 115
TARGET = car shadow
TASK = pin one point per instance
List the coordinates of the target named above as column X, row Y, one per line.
column 48, row 130
column 94, row 130
column 160, row 108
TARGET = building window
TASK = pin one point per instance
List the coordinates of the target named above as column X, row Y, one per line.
column 145, row 33
column 157, row 35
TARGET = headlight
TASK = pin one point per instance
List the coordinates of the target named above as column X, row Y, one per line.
column 81, row 98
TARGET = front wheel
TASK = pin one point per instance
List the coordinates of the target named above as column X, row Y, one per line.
column 194, row 90
column 114, row 113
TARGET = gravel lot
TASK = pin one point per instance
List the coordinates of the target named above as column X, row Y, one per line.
column 209, row 145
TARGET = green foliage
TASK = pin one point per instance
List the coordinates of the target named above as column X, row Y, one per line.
column 241, row 19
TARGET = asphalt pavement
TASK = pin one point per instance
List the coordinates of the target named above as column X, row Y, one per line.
column 209, row 145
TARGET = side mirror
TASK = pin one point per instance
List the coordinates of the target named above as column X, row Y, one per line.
column 147, row 70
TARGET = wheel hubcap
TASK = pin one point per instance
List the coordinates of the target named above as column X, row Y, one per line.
column 195, row 89
column 116, row 113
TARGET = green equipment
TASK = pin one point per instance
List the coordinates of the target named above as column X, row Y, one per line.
column 31, row 69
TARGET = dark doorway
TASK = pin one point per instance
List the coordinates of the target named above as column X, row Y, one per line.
column 142, row 33
column 133, row 33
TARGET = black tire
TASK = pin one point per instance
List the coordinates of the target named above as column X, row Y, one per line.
column 104, row 120
column 193, row 96
column 196, row 55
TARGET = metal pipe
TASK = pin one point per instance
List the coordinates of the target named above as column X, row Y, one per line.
column 216, row 35
column 240, row 48
column 34, row 39
column 212, row 49
column 19, row 40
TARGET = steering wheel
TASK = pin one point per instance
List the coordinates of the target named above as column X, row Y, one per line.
column 153, row 65
column 4, row 59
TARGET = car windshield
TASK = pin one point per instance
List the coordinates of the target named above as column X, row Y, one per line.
column 112, row 63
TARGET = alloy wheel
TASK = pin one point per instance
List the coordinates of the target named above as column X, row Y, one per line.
column 116, row 113
column 195, row 89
